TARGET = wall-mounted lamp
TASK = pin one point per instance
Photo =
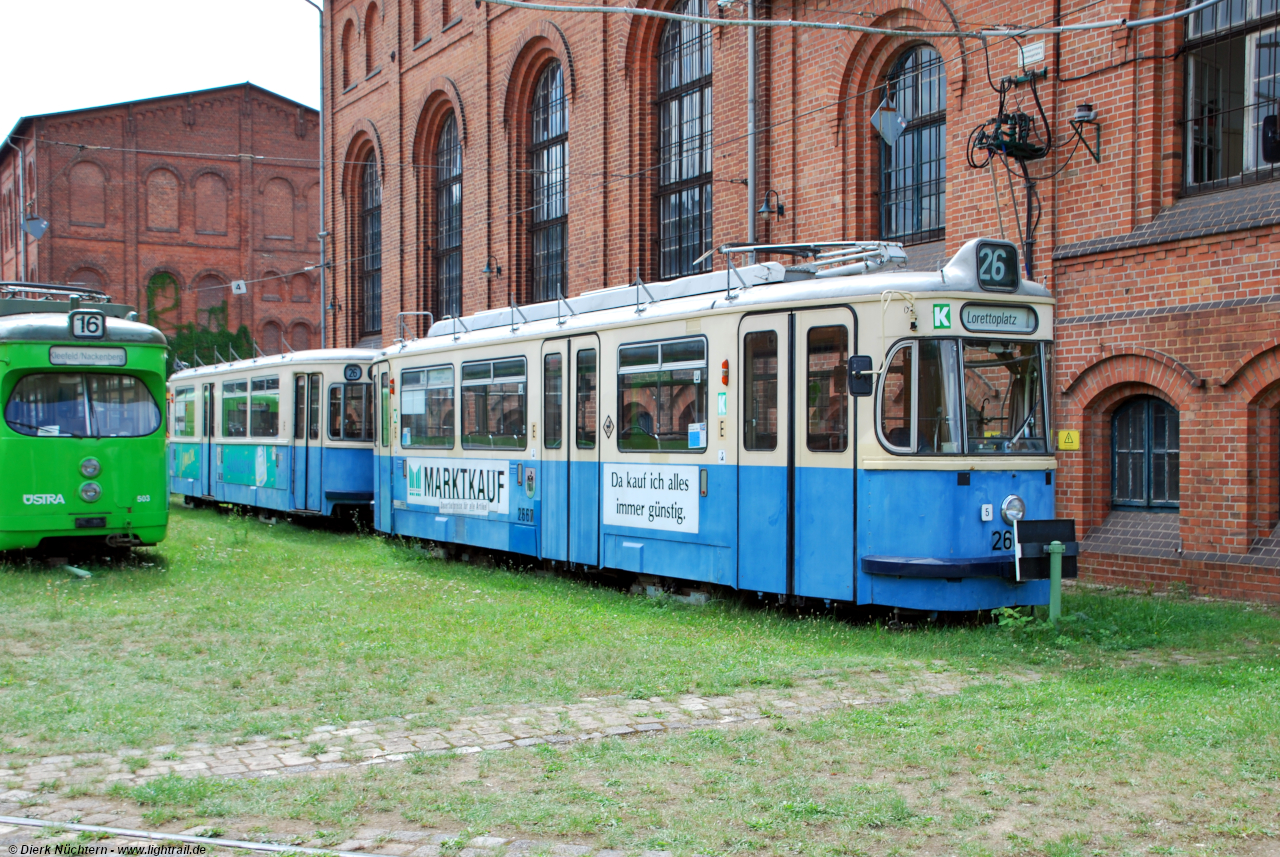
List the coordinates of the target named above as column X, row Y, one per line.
column 1086, row 116
column 494, row 269
column 767, row 211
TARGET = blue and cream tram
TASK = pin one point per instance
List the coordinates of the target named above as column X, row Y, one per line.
column 710, row 429
column 290, row 433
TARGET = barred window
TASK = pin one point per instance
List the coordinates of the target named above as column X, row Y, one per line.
column 1145, row 454
column 449, row 220
column 549, row 158
column 1233, row 86
column 370, row 247
column 684, row 114
column 913, row 171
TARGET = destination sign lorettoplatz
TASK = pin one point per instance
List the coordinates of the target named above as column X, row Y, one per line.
column 998, row 318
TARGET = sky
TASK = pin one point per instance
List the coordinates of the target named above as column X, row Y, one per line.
column 68, row 54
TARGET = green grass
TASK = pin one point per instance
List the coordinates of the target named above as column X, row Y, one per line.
column 1101, row 761
column 1151, row 726
column 232, row 628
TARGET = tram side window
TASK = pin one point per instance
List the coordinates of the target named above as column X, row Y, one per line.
column 264, row 407
column 897, row 399
column 662, row 396
column 426, row 408
column 66, row 404
column 760, row 391
column 235, row 408
column 349, row 406
column 585, row 405
column 184, row 412
column 552, row 401
column 493, row 404
column 300, row 407
column 828, row 398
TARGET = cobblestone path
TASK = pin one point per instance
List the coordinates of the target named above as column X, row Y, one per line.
column 36, row 787
column 393, row 739
column 392, row 842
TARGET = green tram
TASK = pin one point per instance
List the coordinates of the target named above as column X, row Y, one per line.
column 82, row 448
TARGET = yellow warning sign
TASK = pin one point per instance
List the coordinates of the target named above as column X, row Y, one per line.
column 1069, row 439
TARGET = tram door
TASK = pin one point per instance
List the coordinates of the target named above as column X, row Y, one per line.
column 583, row 446
column 208, row 445
column 553, row 473
column 307, row 449
column 796, row 470
column 570, row 470
column 382, row 458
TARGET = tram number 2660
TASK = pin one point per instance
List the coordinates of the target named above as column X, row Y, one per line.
column 1002, row 540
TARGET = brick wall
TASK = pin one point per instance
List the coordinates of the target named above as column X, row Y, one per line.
column 207, row 188
column 1159, row 293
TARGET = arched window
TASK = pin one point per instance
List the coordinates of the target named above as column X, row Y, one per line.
column 211, row 205
column 299, row 337
column 86, row 277
column 277, row 210
column 549, row 161
column 300, row 289
column 348, row 36
column 213, row 310
column 684, row 111
column 371, row 39
column 1144, row 454
column 162, row 201
column 913, row 171
column 449, row 220
column 370, row 247
column 272, row 339
column 88, row 188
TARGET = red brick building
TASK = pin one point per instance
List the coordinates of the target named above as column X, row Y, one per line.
column 164, row 202
column 484, row 154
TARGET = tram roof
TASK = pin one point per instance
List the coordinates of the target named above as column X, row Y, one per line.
column 53, row 327
column 311, row 355
column 19, row 297
column 767, row 284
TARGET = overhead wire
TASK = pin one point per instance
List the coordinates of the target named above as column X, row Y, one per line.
column 981, row 37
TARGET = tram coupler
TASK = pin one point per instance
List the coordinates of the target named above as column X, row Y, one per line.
column 1055, row 550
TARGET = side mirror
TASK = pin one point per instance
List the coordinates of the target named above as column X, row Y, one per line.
column 861, row 381
column 1270, row 140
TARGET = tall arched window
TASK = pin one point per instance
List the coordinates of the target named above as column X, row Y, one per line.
column 549, row 156
column 370, row 248
column 1144, row 454
column 684, row 111
column 913, row 171
column 371, row 40
column 348, row 37
column 449, row 220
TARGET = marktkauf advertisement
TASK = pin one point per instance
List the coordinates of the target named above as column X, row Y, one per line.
column 651, row 497
column 459, row 486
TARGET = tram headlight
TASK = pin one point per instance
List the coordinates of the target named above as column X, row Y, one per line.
column 89, row 468
column 90, row 492
column 1013, row 509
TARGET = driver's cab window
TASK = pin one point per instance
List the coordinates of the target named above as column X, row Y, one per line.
column 1001, row 384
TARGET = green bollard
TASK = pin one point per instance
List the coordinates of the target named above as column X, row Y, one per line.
column 1054, row 549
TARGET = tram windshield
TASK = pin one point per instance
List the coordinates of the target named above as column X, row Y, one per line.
column 1000, row 383
column 71, row 404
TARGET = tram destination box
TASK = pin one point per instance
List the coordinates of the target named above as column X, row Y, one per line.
column 1032, row 536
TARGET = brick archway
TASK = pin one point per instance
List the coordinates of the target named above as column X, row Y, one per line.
column 855, row 83
column 1092, row 398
